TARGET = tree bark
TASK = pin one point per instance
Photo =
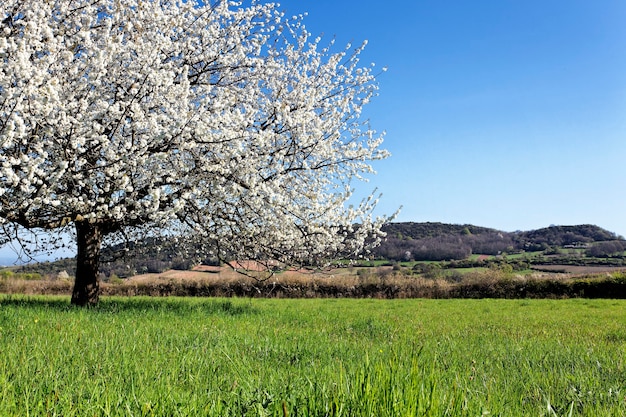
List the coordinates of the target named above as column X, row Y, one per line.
column 86, row 285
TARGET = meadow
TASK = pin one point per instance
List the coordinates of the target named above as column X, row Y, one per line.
column 140, row 356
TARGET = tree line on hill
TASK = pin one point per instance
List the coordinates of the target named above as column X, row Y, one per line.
column 128, row 259
column 439, row 241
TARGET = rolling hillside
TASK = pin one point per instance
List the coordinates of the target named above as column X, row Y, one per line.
column 440, row 241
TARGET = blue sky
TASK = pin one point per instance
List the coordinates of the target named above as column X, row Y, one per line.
column 504, row 114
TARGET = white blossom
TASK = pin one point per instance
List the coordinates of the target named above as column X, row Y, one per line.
column 231, row 123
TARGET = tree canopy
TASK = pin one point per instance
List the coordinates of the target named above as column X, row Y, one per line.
column 223, row 123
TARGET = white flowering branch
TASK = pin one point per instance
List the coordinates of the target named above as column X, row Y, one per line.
column 227, row 123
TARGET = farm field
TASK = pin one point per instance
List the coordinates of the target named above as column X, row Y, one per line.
column 144, row 356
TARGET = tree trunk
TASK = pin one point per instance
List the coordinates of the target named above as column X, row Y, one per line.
column 86, row 286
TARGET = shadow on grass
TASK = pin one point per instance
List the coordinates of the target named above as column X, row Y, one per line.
column 132, row 304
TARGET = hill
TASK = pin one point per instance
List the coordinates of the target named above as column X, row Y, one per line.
column 440, row 241
column 428, row 229
column 566, row 236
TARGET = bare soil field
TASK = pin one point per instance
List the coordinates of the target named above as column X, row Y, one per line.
column 204, row 273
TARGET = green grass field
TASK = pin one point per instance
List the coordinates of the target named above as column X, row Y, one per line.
column 332, row 357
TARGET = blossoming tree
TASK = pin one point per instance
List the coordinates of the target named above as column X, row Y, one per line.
column 217, row 121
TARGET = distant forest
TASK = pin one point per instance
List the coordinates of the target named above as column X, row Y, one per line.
column 404, row 242
column 439, row 241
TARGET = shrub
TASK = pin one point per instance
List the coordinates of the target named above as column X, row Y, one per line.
column 182, row 264
column 6, row 274
column 28, row 276
column 114, row 279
